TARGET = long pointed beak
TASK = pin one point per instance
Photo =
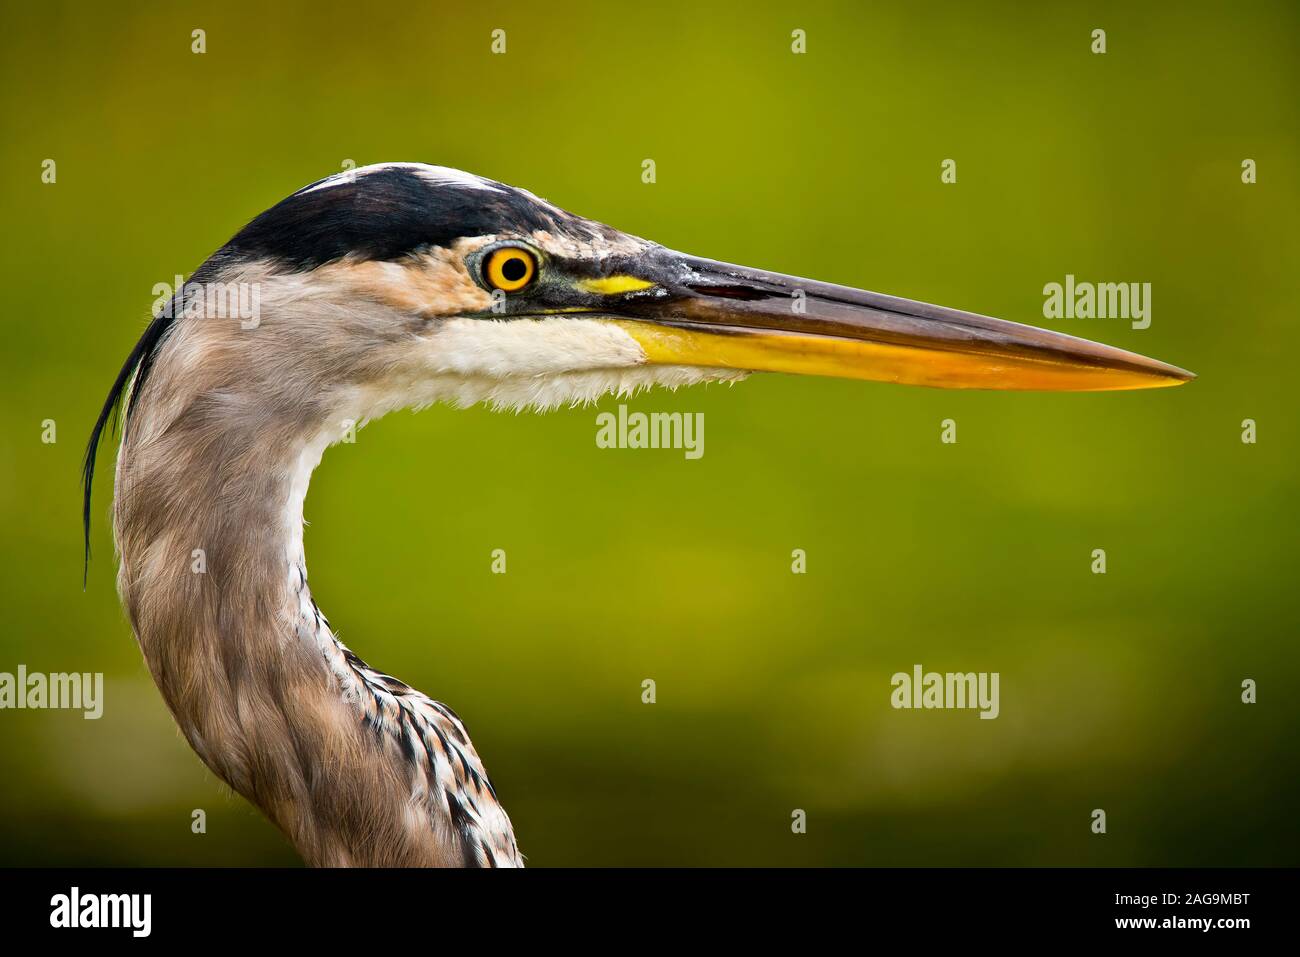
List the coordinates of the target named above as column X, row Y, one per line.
column 707, row 313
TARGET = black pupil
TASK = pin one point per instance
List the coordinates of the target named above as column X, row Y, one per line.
column 514, row 268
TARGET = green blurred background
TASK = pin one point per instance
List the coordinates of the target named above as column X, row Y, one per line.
column 1119, row 691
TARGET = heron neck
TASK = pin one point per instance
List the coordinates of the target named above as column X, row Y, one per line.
column 214, row 580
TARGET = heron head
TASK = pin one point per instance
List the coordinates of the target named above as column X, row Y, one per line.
column 420, row 283
column 403, row 284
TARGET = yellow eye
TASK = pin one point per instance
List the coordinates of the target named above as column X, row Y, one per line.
column 510, row 268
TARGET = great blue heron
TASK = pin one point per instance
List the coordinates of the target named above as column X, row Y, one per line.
column 402, row 285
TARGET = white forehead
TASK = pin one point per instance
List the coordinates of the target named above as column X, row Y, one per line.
column 437, row 175
column 580, row 237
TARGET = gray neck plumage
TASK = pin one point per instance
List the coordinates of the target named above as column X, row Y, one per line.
column 353, row 765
